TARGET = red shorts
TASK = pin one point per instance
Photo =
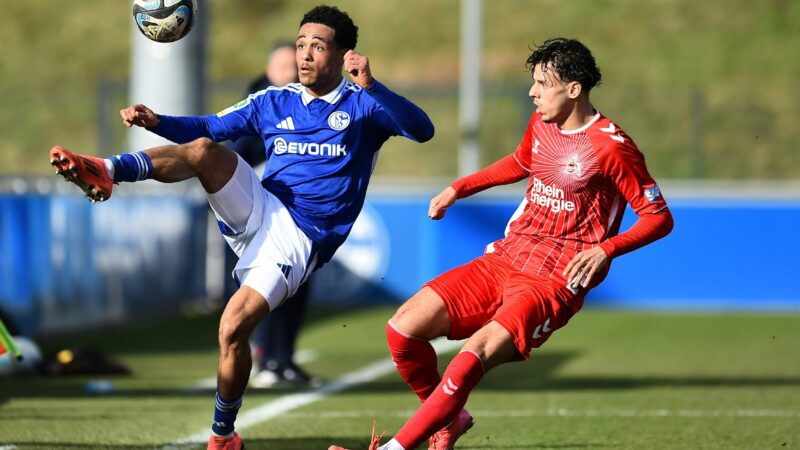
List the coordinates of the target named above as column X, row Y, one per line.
column 487, row 289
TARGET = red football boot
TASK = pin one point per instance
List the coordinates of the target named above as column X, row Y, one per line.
column 87, row 172
column 445, row 439
column 219, row 443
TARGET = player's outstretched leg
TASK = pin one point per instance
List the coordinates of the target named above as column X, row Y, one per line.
column 211, row 163
column 87, row 172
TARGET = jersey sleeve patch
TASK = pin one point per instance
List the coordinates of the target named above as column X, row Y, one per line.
column 235, row 107
column 653, row 193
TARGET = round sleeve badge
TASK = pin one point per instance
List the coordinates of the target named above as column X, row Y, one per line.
column 338, row 120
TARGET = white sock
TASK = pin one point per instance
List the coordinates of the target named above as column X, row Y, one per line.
column 391, row 445
column 109, row 168
column 224, row 436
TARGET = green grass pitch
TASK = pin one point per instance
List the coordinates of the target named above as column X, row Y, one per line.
column 608, row 380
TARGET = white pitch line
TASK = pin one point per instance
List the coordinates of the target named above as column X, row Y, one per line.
column 8, row 447
column 286, row 403
column 564, row 412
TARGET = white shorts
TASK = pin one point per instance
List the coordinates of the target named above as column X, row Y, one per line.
column 275, row 256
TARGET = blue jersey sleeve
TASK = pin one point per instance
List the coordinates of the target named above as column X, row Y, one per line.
column 232, row 123
column 398, row 115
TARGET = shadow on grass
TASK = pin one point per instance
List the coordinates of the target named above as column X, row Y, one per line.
column 539, row 374
column 177, row 334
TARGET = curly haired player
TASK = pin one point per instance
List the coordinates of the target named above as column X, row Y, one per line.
column 582, row 169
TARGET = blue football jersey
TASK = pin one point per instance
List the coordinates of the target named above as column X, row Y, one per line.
column 320, row 151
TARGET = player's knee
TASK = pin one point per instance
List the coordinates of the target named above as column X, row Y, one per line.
column 405, row 318
column 201, row 147
column 205, row 152
column 423, row 316
column 233, row 334
column 493, row 344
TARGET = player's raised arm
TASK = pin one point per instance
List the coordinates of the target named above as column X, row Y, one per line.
column 176, row 129
column 139, row 115
column 396, row 113
column 505, row 171
column 357, row 66
column 230, row 123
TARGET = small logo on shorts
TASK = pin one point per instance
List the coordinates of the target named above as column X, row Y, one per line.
column 285, row 270
column 226, row 230
column 544, row 328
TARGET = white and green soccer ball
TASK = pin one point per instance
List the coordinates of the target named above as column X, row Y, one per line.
column 164, row 20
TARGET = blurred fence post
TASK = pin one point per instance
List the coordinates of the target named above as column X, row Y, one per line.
column 469, row 102
column 107, row 90
column 697, row 133
column 168, row 78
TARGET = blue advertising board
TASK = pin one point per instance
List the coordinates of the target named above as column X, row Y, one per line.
column 723, row 254
column 66, row 264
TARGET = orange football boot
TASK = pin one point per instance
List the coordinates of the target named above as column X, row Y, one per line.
column 220, row 443
column 445, row 439
column 87, row 172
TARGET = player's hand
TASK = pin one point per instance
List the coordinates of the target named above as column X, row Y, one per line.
column 441, row 202
column 581, row 269
column 357, row 65
column 139, row 115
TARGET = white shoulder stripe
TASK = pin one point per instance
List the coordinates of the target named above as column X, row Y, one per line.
column 257, row 94
column 293, row 87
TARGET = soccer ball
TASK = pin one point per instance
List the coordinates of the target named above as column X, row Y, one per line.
column 164, row 20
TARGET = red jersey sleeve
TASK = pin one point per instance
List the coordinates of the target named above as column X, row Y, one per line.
column 625, row 165
column 508, row 169
column 505, row 171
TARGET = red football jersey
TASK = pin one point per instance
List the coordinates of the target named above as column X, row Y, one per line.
column 580, row 182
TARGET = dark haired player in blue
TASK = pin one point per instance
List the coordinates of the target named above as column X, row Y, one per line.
column 322, row 136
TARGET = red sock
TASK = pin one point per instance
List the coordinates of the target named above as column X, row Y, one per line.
column 415, row 360
column 444, row 404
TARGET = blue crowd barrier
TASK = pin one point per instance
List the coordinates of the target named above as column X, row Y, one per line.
column 66, row 264
column 724, row 254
